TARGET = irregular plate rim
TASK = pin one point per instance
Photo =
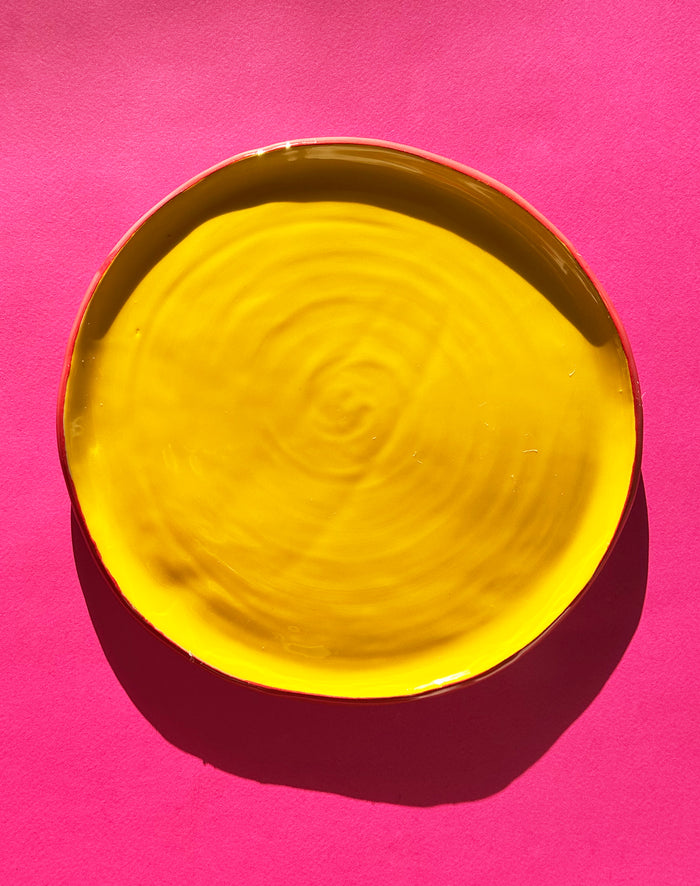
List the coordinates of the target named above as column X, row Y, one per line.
column 440, row 160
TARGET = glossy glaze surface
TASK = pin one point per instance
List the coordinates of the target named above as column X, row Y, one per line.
column 344, row 446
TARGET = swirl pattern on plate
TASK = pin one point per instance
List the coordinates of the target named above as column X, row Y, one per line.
column 333, row 439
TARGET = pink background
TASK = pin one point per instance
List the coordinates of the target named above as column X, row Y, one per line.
column 577, row 765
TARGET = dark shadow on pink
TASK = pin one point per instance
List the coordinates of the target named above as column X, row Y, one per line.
column 466, row 744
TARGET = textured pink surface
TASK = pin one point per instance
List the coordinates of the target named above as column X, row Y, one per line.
column 577, row 765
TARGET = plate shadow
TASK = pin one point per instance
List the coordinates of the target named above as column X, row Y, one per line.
column 463, row 745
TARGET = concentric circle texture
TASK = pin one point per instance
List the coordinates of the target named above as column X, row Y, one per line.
column 329, row 444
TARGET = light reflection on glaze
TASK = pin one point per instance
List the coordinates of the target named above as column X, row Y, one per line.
column 331, row 448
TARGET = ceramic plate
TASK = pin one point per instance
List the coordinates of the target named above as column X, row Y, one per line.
column 350, row 420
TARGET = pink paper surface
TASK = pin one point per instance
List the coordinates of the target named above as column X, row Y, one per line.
column 577, row 765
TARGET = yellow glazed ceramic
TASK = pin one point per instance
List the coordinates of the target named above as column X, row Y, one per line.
column 344, row 420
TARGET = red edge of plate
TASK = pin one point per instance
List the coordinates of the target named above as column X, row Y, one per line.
column 443, row 161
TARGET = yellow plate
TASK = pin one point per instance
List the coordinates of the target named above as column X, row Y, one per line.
column 346, row 419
